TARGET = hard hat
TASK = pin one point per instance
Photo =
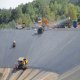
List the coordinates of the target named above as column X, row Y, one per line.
column 21, row 59
column 39, row 26
column 14, row 41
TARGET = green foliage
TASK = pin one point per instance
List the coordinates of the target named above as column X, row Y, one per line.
column 5, row 16
column 11, row 24
column 72, row 11
column 28, row 14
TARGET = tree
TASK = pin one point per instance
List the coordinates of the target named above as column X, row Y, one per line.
column 72, row 12
column 29, row 12
column 5, row 16
column 14, row 14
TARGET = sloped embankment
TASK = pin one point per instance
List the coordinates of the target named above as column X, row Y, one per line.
column 53, row 51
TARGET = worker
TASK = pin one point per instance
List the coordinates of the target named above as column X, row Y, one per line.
column 25, row 61
column 40, row 30
column 14, row 44
column 22, row 62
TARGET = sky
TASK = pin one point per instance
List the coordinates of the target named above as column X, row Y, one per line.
column 12, row 3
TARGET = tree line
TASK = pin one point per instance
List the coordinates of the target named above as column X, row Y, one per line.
column 28, row 13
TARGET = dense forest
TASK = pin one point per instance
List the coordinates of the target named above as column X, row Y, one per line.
column 28, row 13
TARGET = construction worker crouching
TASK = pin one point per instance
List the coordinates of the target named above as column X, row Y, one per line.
column 25, row 61
column 22, row 62
column 14, row 44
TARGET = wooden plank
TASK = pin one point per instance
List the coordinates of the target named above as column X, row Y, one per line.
column 50, row 76
column 26, row 73
column 38, row 76
column 6, row 73
column 16, row 75
column 32, row 74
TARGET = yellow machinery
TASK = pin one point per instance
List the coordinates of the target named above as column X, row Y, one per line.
column 43, row 22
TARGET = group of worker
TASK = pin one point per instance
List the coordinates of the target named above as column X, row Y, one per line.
column 22, row 62
column 42, row 23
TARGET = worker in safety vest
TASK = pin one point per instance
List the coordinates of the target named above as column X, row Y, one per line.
column 22, row 61
column 25, row 61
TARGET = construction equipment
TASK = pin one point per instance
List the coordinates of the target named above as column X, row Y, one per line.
column 42, row 23
column 45, row 22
